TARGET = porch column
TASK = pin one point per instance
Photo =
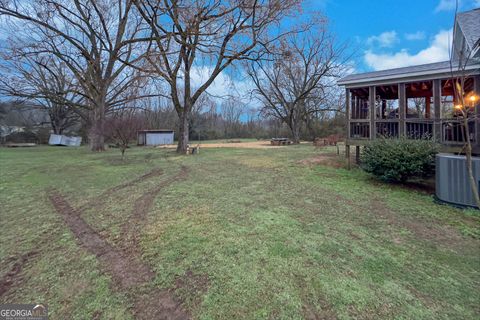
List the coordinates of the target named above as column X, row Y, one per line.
column 427, row 107
column 371, row 107
column 347, row 111
column 476, row 91
column 437, row 94
column 357, row 107
column 402, row 105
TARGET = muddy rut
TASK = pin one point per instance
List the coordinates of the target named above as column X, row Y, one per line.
column 123, row 262
column 97, row 201
column 132, row 228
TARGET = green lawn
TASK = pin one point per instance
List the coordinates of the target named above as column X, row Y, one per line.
column 246, row 234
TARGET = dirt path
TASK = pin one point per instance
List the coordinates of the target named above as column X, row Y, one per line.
column 123, row 263
column 326, row 159
column 260, row 144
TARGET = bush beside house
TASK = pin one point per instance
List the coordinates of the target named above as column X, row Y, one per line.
column 400, row 159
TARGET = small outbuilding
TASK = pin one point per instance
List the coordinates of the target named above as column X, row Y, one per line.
column 62, row 140
column 154, row 137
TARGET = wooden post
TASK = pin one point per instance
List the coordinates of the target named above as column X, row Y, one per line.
column 355, row 108
column 476, row 91
column 347, row 111
column 401, row 109
column 384, row 109
column 357, row 154
column 347, row 155
column 437, row 94
column 371, row 108
column 427, row 107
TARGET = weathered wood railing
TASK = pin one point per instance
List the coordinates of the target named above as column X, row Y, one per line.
column 359, row 130
column 419, row 128
column 451, row 130
column 387, row 128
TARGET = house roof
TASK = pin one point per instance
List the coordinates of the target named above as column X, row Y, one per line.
column 405, row 72
column 469, row 23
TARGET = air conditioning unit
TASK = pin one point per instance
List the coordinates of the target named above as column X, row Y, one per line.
column 452, row 181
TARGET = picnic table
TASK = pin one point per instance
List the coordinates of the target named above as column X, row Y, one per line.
column 280, row 141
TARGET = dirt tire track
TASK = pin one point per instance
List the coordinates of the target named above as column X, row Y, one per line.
column 131, row 229
column 124, row 265
column 126, row 271
column 13, row 275
column 152, row 173
column 98, row 199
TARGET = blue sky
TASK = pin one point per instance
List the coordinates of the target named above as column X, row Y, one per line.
column 392, row 33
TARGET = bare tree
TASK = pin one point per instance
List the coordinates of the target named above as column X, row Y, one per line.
column 419, row 104
column 121, row 128
column 205, row 36
column 465, row 104
column 43, row 81
column 292, row 82
column 94, row 39
column 231, row 110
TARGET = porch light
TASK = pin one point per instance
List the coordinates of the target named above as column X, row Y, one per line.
column 473, row 98
column 458, row 107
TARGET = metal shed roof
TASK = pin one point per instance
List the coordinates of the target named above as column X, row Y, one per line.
column 156, row 131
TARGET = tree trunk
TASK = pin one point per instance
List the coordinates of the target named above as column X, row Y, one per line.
column 96, row 134
column 468, row 154
column 295, row 123
column 56, row 129
column 183, row 132
column 295, row 132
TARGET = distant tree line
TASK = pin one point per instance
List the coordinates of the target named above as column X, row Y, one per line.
column 208, row 124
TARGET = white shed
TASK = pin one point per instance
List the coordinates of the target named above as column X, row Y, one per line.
column 61, row 140
column 155, row 137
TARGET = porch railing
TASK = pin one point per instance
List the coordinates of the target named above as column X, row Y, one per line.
column 451, row 130
column 387, row 128
column 359, row 130
column 419, row 128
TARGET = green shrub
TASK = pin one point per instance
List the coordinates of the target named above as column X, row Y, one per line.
column 399, row 159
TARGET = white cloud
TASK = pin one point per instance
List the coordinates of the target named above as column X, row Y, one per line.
column 437, row 51
column 419, row 35
column 224, row 85
column 446, row 5
column 449, row 5
column 385, row 39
